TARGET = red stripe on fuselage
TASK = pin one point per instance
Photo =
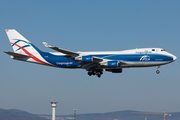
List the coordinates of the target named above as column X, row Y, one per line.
column 34, row 58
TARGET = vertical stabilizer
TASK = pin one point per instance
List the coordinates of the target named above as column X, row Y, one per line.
column 19, row 43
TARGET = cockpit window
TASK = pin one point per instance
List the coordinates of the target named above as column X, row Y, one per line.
column 162, row 50
column 153, row 49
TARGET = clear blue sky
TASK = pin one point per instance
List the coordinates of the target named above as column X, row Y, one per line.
column 82, row 25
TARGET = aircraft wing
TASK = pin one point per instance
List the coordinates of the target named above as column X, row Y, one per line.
column 67, row 52
column 94, row 61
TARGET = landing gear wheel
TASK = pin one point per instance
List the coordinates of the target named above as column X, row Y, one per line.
column 157, row 71
column 89, row 73
column 97, row 72
column 99, row 75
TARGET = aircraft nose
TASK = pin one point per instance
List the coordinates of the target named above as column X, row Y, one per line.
column 174, row 58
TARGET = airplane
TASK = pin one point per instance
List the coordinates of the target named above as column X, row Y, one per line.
column 93, row 62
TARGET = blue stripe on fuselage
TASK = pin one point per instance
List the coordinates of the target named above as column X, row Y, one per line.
column 61, row 61
column 141, row 57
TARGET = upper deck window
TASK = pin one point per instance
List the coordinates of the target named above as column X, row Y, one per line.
column 153, row 49
column 162, row 50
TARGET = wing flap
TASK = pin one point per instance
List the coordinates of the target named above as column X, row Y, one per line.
column 87, row 66
column 97, row 59
column 122, row 62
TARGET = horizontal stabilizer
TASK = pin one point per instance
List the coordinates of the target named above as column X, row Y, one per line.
column 17, row 54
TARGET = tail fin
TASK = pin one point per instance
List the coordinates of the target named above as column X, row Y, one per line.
column 19, row 43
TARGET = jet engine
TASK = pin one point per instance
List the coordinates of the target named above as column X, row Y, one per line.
column 112, row 64
column 85, row 58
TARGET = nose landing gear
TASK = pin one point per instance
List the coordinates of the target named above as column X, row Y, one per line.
column 157, row 71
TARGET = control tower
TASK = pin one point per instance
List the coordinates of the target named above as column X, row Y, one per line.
column 53, row 105
column 74, row 114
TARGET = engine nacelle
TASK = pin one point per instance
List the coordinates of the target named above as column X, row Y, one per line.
column 112, row 64
column 87, row 59
column 84, row 58
column 114, row 70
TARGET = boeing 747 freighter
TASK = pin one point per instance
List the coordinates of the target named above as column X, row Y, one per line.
column 93, row 62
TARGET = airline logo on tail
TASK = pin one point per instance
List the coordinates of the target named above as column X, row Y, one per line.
column 16, row 44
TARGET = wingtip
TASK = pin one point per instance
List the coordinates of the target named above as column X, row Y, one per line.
column 46, row 44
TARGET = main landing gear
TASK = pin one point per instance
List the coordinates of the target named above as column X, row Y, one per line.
column 98, row 73
column 157, row 71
